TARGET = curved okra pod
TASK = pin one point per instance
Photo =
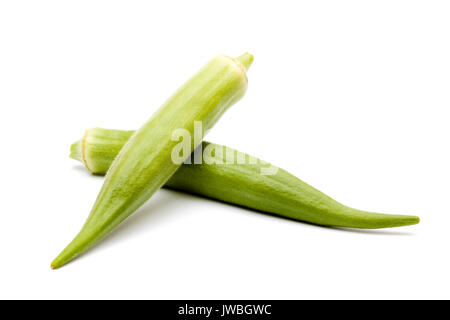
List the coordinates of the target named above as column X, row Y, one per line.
column 247, row 183
column 145, row 164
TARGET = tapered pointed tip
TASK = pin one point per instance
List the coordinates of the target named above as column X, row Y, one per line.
column 246, row 60
column 415, row 220
column 66, row 256
column 408, row 220
column 400, row 221
column 78, row 245
column 62, row 259
column 56, row 264
column 403, row 221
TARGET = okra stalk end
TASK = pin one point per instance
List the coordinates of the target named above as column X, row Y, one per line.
column 246, row 60
column 75, row 150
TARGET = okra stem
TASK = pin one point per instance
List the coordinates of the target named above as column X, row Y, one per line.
column 246, row 60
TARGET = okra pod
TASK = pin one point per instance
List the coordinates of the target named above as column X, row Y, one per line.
column 145, row 163
column 241, row 184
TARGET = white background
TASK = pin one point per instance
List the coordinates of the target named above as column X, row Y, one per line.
column 351, row 96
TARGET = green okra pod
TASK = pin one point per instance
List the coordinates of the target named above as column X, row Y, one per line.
column 144, row 164
column 245, row 184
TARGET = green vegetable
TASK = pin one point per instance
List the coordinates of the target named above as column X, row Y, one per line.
column 242, row 184
column 145, row 162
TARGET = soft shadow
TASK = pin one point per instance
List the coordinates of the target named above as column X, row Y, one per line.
column 160, row 205
column 167, row 203
column 338, row 229
column 385, row 232
column 159, row 209
column 82, row 170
